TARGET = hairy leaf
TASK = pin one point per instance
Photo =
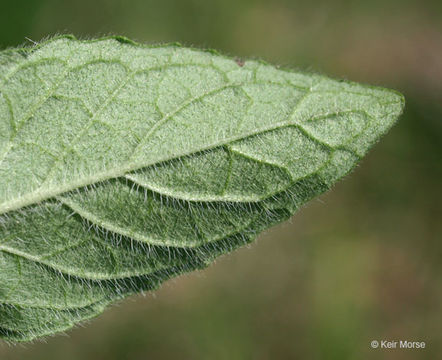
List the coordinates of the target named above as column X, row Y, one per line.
column 123, row 165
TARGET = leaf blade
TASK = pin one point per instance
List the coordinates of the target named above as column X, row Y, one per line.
column 124, row 165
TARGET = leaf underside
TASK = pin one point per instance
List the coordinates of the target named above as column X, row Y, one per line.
column 123, row 165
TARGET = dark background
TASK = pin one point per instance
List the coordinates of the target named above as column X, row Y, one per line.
column 358, row 264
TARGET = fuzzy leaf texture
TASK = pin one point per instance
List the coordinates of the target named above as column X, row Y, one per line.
column 123, row 165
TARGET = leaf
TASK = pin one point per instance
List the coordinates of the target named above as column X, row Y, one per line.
column 123, row 165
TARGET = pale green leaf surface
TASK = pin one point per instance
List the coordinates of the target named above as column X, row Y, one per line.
column 123, row 165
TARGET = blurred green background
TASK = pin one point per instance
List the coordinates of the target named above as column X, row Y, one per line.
column 358, row 264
